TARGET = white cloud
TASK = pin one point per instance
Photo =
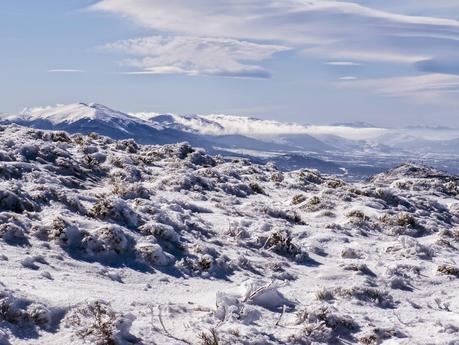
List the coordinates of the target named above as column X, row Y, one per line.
column 217, row 124
column 285, row 20
column 196, row 55
column 337, row 31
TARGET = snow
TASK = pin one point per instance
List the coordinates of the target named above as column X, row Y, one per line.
column 71, row 113
column 111, row 242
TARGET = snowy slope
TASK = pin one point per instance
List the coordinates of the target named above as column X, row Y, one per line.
column 111, row 242
column 74, row 112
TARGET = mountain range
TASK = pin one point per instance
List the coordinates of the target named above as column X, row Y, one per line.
column 289, row 145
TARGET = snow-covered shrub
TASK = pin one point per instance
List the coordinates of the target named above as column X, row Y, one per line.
column 241, row 190
column 128, row 145
column 313, row 333
column 29, row 152
column 12, row 233
column 96, row 323
column 57, row 136
column 39, row 315
column 298, row 199
column 403, row 220
column 69, row 167
column 189, row 182
column 105, row 240
column 277, row 177
column 130, row 191
column 180, row 151
column 402, row 270
column 22, row 312
column 289, row 215
column 281, row 242
column 17, row 201
column 324, row 294
column 362, row 293
column 255, row 187
column 152, row 254
column 91, row 162
column 358, row 267
column 310, row 176
column 115, row 209
column 323, row 324
column 209, row 338
column 378, row 335
column 30, row 261
column 367, row 294
column 238, row 229
column 206, row 264
column 350, row 253
column 160, row 231
column 409, row 247
column 126, row 174
column 334, row 183
column 71, row 201
column 357, row 217
column 199, row 157
column 448, row 270
column 316, row 203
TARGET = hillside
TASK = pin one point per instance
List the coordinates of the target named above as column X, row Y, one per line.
column 113, row 242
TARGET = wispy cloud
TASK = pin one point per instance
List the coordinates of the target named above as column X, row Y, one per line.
column 349, row 77
column 196, row 56
column 65, row 70
column 344, row 33
column 421, row 89
column 343, row 63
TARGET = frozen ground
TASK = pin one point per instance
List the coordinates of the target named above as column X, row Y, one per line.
column 110, row 242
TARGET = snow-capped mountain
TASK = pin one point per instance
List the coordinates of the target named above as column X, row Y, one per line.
column 153, row 128
column 72, row 113
column 86, row 118
column 355, row 148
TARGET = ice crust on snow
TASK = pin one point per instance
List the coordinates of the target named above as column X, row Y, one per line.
column 112, row 242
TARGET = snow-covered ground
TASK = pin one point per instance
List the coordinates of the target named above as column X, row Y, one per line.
column 111, row 242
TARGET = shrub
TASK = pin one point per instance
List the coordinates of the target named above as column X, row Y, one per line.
column 98, row 324
column 23, row 312
column 130, row 191
column 281, row 242
column 255, row 187
column 105, row 240
column 12, row 233
column 298, row 199
column 448, row 270
column 209, row 338
column 16, row 201
column 115, row 209
column 153, row 254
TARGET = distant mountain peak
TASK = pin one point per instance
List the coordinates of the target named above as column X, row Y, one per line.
column 70, row 113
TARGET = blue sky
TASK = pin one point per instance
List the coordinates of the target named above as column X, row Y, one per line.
column 387, row 62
